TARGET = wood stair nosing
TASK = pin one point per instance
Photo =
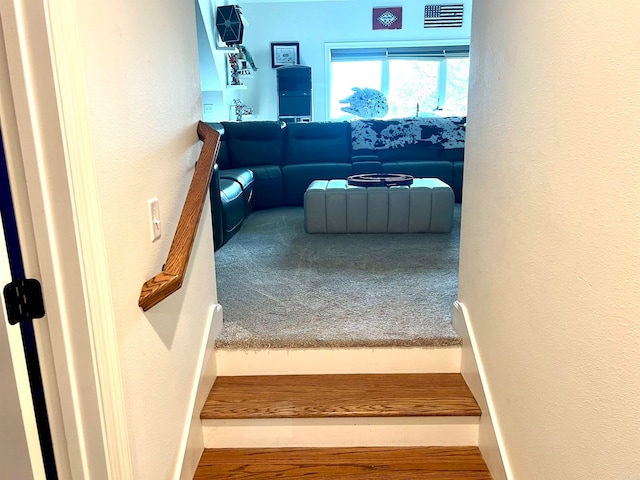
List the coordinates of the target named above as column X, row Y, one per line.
column 339, row 395
column 435, row 463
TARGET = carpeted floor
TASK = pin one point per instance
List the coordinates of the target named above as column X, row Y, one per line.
column 283, row 288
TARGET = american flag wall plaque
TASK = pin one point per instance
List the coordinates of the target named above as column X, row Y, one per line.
column 438, row 16
column 387, row 18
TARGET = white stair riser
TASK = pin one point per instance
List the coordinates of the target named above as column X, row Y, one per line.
column 337, row 361
column 341, row 432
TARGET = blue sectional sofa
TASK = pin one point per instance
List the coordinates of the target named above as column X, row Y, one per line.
column 266, row 164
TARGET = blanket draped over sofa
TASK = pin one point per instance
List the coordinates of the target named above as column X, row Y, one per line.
column 384, row 134
column 266, row 164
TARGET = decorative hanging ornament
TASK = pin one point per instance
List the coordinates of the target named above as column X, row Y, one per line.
column 229, row 24
column 366, row 103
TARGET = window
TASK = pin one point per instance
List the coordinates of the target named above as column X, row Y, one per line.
column 345, row 75
column 423, row 80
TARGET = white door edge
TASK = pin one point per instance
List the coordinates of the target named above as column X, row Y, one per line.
column 30, row 263
column 48, row 88
column 20, row 453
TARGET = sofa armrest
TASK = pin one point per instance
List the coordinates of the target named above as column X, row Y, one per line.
column 216, row 208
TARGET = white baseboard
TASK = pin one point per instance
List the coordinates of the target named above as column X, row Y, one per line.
column 193, row 441
column 489, row 436
column 341, row 432
column 338, row 361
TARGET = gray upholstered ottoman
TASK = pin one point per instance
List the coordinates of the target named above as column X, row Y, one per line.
column 334, row 206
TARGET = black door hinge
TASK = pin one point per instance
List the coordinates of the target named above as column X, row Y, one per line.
column 24, row 300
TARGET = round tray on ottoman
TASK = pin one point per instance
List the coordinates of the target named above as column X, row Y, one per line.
column 380, row 179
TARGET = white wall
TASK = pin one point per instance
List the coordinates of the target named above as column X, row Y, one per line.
column 550, row 244
column 209, row 78
column 213, row 68
column 141, row 65
column 313, row 24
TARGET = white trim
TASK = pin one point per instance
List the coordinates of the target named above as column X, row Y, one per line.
column 280, row 361
column 101, row 317
column 48, row 89
column 490, row 438
column 391, row 44
column 192, row 443
column 341, row 432
column 15, row 166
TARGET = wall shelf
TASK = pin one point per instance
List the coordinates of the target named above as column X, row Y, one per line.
column 223, row 46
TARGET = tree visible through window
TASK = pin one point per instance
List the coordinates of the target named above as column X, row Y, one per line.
column 413, row 87
column 414, row 82
column 457, row 88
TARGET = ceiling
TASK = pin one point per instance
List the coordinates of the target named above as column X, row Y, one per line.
column 242, row 2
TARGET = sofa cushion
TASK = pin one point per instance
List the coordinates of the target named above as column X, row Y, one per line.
column 366, row 167
column 298, row 177
column 441, row 170
column 254, row 143
column 452, row 154
column 268, row 189
column 318, row 142
column 420, row 152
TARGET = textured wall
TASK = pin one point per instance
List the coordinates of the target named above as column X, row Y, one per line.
column 143, row 88
column 550, row 250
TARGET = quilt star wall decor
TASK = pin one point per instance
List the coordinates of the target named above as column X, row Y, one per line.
column 387, row 18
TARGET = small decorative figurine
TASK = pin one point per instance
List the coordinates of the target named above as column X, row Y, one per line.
column 241, row 109
column 246, row 55
column 235, row 69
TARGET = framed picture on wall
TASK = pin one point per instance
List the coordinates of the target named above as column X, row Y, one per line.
column 285, row 53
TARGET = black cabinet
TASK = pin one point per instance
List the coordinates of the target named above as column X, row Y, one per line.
column 294, row 93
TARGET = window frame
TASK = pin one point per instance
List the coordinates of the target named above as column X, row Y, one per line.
column 329, row 47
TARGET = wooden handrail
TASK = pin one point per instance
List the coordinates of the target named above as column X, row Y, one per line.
column 170, row 279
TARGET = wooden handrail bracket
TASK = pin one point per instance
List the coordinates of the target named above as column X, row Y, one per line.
column 170, row 279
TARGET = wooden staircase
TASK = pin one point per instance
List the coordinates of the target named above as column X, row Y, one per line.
column 408, row 463
column 348, row 425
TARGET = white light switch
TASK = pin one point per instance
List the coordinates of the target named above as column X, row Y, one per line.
column 154, row 219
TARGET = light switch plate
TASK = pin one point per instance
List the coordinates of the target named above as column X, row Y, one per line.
column 154, row 219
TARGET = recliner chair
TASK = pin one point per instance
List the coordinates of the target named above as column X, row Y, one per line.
column 231, row 202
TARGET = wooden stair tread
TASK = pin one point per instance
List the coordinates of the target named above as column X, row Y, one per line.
column 358, row 395
column 435, row 463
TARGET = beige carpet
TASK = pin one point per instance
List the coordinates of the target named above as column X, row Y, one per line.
column 283, row 288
